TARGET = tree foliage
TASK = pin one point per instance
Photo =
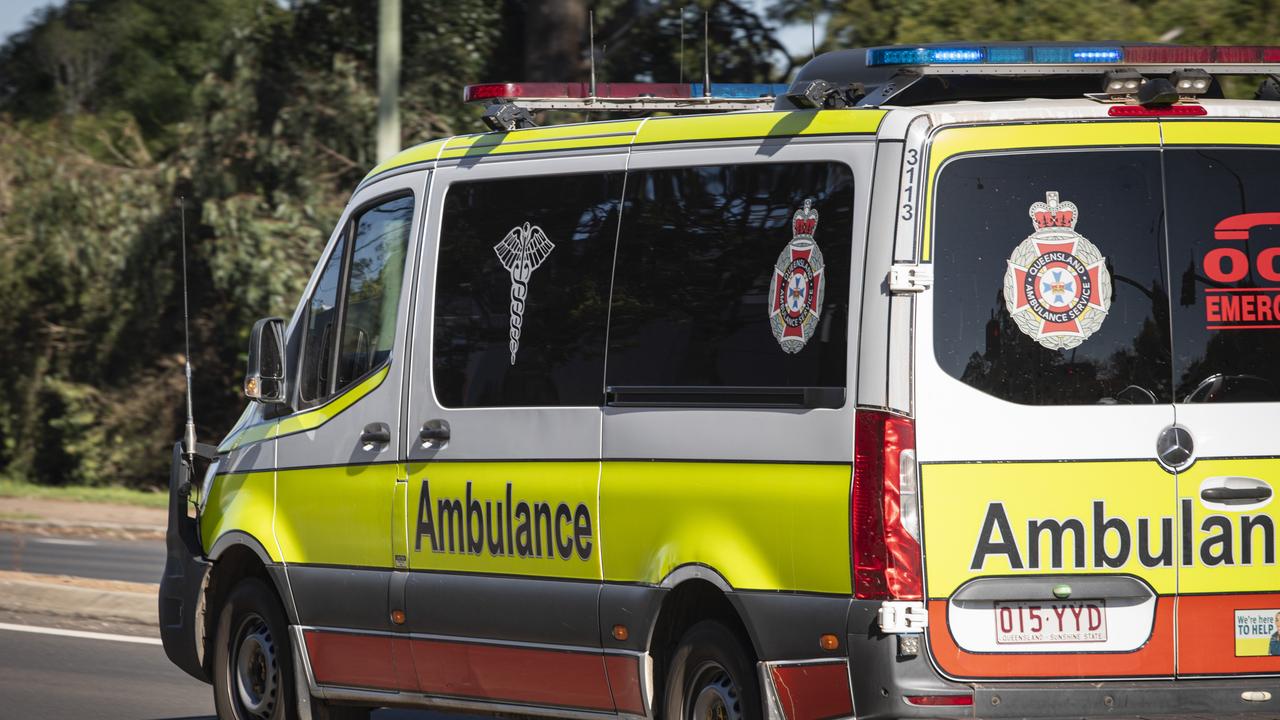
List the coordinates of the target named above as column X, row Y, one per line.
column 259, row 118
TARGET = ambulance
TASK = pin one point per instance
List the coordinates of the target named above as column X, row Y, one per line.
column 942, row 382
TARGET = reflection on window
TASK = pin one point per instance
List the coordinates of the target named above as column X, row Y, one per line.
column 321, row 317
column 373, row 290
column 522, row 290
column 1224, row 245
column 984, row 207
column 698, row 252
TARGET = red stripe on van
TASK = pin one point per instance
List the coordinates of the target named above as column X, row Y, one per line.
column 535, row 676
column 813, row 692
column 624, row 680
column 1155, row 659
column 1207, row 635
column 362, row 661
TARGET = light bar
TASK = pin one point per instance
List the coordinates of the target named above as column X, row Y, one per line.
column 1233, row 55
column 746, row 92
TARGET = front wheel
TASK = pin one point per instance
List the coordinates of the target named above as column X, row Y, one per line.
column 711, row 677
column 253, row 662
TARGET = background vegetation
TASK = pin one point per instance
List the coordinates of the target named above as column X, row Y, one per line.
column 261, row 115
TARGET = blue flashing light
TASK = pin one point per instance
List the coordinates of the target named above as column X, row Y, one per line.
column 1060, row 55
column 1019, row 55
column 739, row 90
column 925, row 56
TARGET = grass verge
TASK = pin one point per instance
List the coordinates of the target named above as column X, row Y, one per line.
column 118, row 495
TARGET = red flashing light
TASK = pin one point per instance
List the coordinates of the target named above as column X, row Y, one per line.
column 886, row 558
column 939, row 700
column 514, row 91
column 1155, row 54
column 1166, row 111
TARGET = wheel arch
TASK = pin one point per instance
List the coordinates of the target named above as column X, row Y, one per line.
column 237, row 555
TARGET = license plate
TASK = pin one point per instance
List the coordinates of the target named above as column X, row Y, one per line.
column 1051, row 622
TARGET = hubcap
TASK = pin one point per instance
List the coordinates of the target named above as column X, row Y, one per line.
column 713, row 695
column 256, row 671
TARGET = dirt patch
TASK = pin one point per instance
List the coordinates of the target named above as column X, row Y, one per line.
column 81, row 582
column 42, row 516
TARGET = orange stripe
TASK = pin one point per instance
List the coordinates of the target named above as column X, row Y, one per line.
column 1207, row 638
column 1155, row 659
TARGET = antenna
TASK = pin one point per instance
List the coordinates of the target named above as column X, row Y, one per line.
column 189, row 434
column 591, row 23
column 706, row 54
column 813, row 33
column 682, row 44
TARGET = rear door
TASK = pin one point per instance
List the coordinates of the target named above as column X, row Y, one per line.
column 1224, row 245
column 1043, row 383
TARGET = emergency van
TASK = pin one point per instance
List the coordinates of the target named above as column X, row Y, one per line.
column 943, row 384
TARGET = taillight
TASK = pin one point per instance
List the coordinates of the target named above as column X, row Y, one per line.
column 884, row 515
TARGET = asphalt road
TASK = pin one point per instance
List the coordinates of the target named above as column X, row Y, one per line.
column 132, row 560
column 57, row 678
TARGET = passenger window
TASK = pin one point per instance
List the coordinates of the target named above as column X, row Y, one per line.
column 321, row 329
column 732, row 276
column 373, row 291
column 1049, row 279
column 1224, row 245
column 522, row 288
column 367, row 275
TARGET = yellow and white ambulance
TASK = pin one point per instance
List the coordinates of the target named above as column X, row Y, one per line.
column 943, row 385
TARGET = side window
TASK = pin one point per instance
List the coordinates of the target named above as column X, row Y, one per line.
column 358, row 293
column 522, row 288
column 373, row 291
column 1224, row 245
column 1049, row 278
column 731, row 277
column 321, row 329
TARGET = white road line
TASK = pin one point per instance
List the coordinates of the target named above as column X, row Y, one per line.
column 62, row 541
column 80, row 634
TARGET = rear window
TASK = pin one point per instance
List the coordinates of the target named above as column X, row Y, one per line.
column 1224, row 249
column 731, row 277
column 1049, row 277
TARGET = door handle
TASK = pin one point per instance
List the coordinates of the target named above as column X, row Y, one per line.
column 375, row 434
column 434, row 433
column 1219, row 494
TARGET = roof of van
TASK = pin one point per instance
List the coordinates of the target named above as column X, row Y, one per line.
column 780, row 124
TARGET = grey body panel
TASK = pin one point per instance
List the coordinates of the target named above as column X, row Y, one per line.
column 514, row 609
column 817, row 435
column 354, row 598
column 786, row 626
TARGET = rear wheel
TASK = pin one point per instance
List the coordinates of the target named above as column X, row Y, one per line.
column 253, row 663
column 711, row 677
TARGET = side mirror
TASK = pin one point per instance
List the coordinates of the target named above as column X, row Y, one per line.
column 264, row 381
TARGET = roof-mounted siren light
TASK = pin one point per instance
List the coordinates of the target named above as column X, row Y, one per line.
column 509, row 103
column 822, row 95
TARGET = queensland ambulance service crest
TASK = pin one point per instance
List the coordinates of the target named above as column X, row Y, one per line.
column 799, row 284
column 1056, row 286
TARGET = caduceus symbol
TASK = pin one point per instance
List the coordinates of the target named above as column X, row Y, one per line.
column 521, row 252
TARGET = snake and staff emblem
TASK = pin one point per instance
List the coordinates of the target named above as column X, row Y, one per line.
column 521, row 252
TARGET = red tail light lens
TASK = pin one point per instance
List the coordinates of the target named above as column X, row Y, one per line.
column 886, row 557
column 939, row 700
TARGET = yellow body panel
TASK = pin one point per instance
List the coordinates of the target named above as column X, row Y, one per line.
column 243, row 502
column 559, row 137
column 438, row 540
column 951, row 142
column 337, row 515
column 957, row 499
column 1222, row 132
column 426, row 152
column 1226, row 533
column 763, row 527
column 735, row 126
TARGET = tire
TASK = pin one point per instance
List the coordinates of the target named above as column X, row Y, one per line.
column 253, row 659
column 711, row 677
